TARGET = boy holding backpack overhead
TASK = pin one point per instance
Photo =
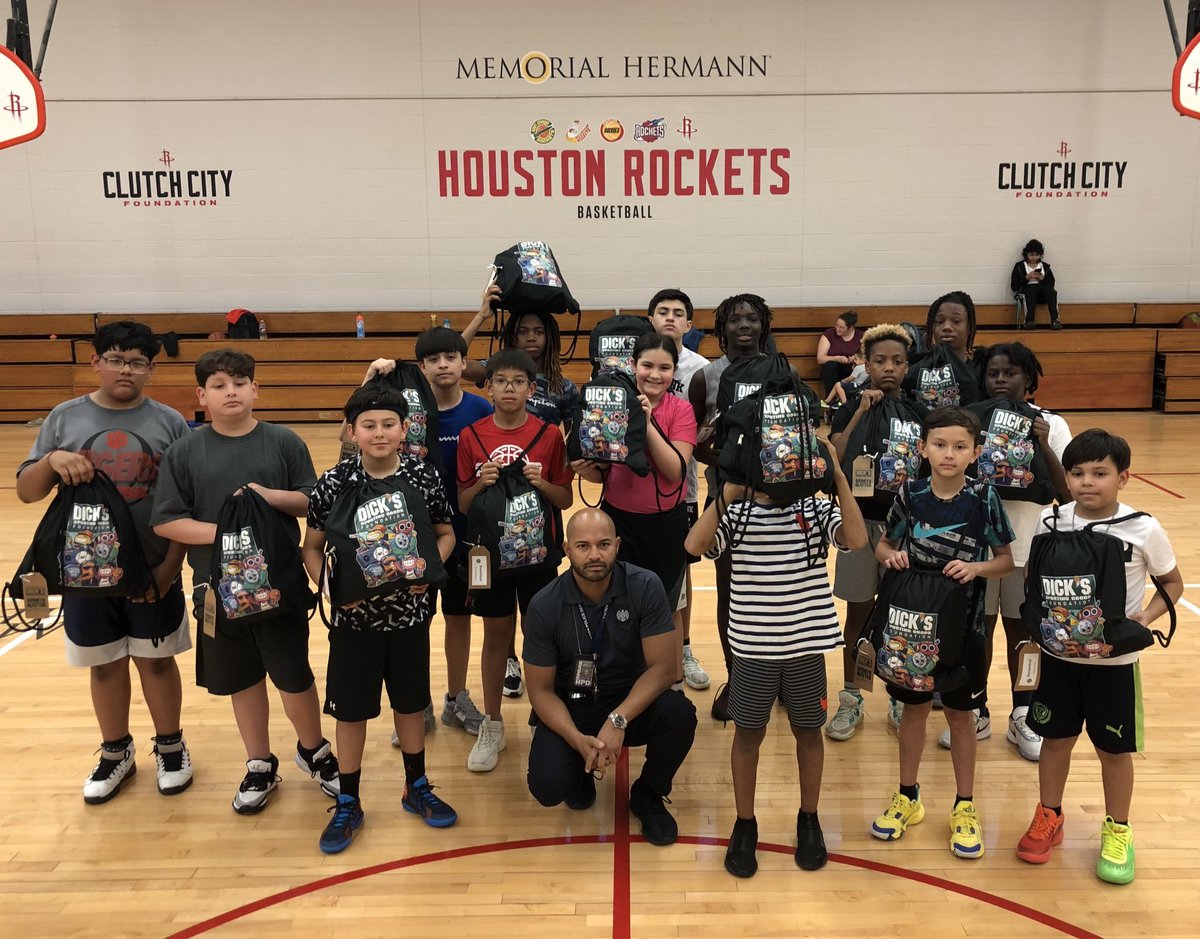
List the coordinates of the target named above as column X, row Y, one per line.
column 511, row 437
column 1081, row 682
column 381, row 639
column 237, row 451
column 119, row 430
column 946, row 524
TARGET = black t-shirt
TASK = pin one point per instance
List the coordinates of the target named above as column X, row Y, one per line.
column 555, row 633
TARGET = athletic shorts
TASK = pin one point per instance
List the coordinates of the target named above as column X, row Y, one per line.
column 1005, row 595
column 1105, row 698
column 453, row 596
column 362, row 663
column 241, row 655
column 966, row 697
column 693, row 516
column 856, row 574
column 756, row 684
column 509, row 594
column 654, row 542
column 99, row 630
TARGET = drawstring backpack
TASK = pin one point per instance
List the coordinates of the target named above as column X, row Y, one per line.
column 1012, row 459
column 531, row 281
column 379, row 539
column 1075, row 593
column 889, row 432
column 514, row 521
column 610, row 426
column 256, row 568
column 941, row 379
column 86, row 545
column 611, row 343
column 421, row 442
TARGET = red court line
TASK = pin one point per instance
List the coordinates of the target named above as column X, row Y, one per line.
column 1156, row 485
column 621, row 874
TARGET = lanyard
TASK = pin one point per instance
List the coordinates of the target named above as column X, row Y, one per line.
column 598, row 637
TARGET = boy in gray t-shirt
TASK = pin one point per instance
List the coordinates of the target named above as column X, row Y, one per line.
column 119, row 430
column 238, row 451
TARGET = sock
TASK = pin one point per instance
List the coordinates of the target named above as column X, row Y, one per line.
column 414, row 766
column 852, row 688
column 307, row 753
column 1123, row 824
column 117, row 747
column 803, row 814
column 350, row 782
column 1056, row 809
column 910, row 792
column 984, row 712
column 169, row 739
column 739, row 821
column 958, row 799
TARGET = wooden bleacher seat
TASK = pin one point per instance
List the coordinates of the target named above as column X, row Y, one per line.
column 1177, row 371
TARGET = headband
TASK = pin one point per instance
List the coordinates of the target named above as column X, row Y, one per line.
column 353, row 414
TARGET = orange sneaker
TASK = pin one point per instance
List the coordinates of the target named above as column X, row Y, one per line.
column 1045, row 831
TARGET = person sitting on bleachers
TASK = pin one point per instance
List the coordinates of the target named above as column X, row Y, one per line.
column 1033, row 280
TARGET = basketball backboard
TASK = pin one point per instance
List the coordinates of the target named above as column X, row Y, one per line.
column 1185, row 83
column 22, row 105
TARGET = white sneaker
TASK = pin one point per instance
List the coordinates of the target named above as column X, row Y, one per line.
column 1029, row 743
column 173, row 764
column 849, row 715
column 323, row 768
column 109, row 775
column 983, row 730
column 895, row 712
column 693, row 672
column 514, row 685
column 486, row 751
column 262, row 776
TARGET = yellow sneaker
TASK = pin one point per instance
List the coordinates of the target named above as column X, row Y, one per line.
column 899, row 815
column 1116, row 853
column 966, row 836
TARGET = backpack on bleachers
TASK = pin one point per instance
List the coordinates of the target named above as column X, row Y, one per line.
column 889, row 432
column 514, row 521
column 422, row 439
column 610, row 345
column 1012, row 459
column 1075, row 593
column 256, row 567
column 941, row 379
column 610, row 425
column 242, row 325
column 531, row 281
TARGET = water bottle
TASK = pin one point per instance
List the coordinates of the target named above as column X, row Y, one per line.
column 446, row 323
column 360, row 328
column 262, row 330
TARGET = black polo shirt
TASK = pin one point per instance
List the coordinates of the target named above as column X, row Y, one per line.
column 555, row 633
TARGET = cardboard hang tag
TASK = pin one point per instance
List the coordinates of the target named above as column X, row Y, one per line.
column 1029, row 667
column 36, row 594
column 209, row 618
column 864, row 666
column 479, row 568
column 348, row 451
column 862, row 471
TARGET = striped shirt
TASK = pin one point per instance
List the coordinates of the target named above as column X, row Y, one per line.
column 780, row 604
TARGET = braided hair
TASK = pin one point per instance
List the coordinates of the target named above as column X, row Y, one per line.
column 725, row 310
column 551, row 363
column 954, row 296
column 1019, row 355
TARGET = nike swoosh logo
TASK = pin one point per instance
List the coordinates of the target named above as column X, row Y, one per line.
column 920, row 531
column 977, row 694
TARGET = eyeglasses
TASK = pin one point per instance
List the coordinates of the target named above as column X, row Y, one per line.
column 511, row 384
column 118, row 363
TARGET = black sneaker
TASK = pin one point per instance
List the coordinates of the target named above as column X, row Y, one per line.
column 514, row 685
column 347, row 818
column 1057, row 324
column 583, row 796
column 262, row 776
column 741, row 858
column 658, row 827
column 720, row 705
column 810, row 843
column 323, row 767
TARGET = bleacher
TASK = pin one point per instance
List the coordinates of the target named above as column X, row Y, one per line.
column 1111, row 356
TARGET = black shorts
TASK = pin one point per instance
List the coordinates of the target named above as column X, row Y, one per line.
column 509, row 594
column 756, row 684
column 361, row 663
column 693, row 516
column 968, row 696
column 241, row 655
column 654, row 542
column 1105, row 698
column 453, row 596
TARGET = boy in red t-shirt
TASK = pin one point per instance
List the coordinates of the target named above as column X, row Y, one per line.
column 483, row 448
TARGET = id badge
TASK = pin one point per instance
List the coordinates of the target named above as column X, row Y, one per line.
column 583, row 685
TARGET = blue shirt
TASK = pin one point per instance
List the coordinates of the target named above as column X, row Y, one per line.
column 451, row 423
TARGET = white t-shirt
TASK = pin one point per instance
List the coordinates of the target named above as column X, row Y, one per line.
column 1151, row 553
column 689, row 364
column 1025, row 516
column 1029, row 270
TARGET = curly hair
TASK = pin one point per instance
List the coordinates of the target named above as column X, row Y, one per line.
column 1018, row 354
column 725, row 310
column 551, row 364
column 954, row 296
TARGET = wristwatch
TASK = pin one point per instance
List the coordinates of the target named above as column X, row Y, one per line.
column 618, row 720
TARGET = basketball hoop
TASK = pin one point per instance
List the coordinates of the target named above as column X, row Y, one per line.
column 1185, row 82
column 22, row 104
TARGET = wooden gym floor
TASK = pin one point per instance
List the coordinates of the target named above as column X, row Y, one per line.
column 148, row 866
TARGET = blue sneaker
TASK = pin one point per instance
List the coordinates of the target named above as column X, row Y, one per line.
column 420, row 800
column 347, row 819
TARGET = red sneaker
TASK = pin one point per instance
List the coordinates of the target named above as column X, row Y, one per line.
column 1045, row 831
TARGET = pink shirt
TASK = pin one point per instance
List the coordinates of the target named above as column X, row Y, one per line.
column 631, row 493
